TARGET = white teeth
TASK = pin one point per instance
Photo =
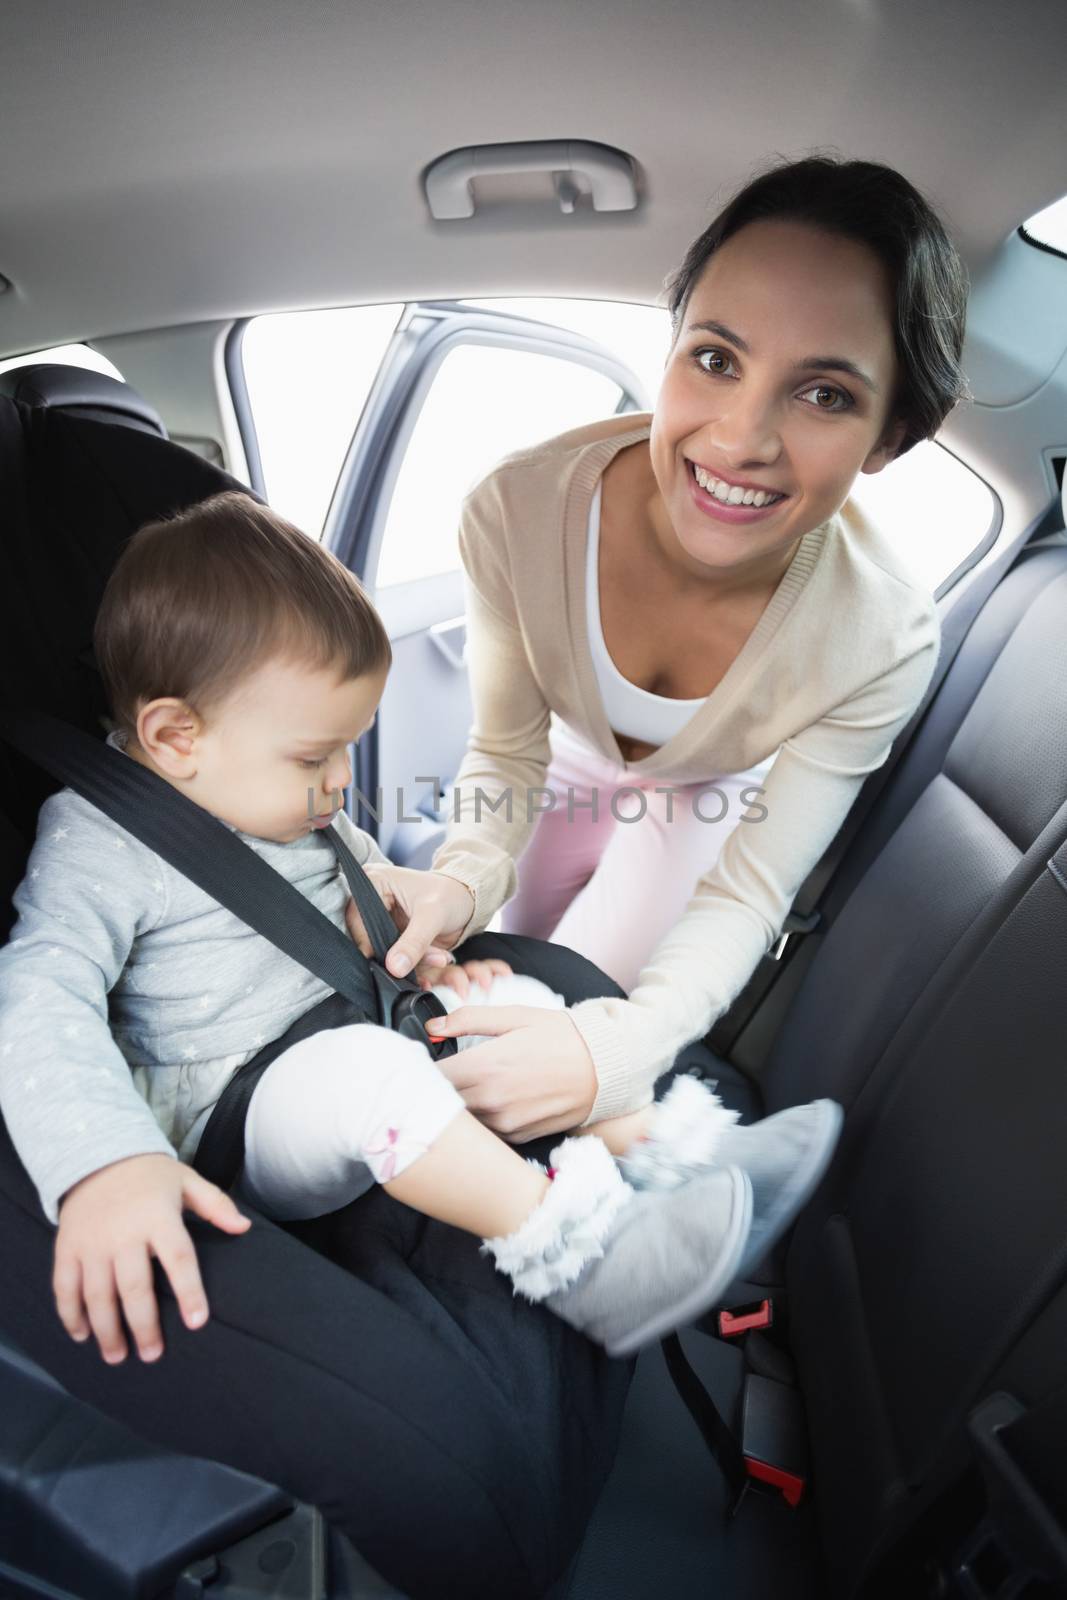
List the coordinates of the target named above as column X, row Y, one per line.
column 731, row 494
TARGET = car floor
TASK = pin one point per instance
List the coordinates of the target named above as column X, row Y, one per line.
column 661, row 1526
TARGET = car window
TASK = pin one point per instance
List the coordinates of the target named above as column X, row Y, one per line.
column 935, row 509
column 308, row 374
column 638, row 335
column 1049, row 227
column 485, row 401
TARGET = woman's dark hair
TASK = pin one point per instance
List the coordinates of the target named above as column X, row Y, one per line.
column 876, row 206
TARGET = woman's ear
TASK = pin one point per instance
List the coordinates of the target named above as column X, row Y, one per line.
column 884, row 452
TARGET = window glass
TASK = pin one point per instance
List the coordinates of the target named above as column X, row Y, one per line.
column 308, row 374
column 936, row 509
column 484, row 402
column 1050, row 226
column 637, row 335
column 66, row 355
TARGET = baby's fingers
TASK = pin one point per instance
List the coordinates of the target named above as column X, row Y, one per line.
column 483, row 972
column 98, row 1284
column 177, row 1256
column 67, row 1288
column 212, row 1203
column 133, row 1277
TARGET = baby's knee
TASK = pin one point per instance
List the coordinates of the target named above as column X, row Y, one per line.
column 328, row 1069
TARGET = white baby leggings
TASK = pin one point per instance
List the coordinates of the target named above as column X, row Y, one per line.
column 354, row 1106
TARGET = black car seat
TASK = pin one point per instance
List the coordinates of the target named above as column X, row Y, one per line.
column 930, row 1273
column 81, row 392
column 372, row 1362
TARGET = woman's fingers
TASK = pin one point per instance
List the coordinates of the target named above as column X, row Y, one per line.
column 423, row 927
column 492, row 1020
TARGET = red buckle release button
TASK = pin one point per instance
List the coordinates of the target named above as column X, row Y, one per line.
column 744, row 1319
column 790, row 1486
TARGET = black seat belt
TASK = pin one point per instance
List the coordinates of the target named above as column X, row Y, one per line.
column 804, row 915
column 208, row 853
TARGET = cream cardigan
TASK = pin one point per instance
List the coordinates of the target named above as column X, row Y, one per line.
column 833, row 669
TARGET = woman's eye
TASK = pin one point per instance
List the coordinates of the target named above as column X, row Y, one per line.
column 834, row 394
column 312, row 763
column 712, row 356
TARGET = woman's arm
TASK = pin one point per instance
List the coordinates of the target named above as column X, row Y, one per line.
column 738, row 907
column 736, row 912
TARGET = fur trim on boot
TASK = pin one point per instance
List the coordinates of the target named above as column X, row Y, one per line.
column 567, row 1230
column 684, row 1134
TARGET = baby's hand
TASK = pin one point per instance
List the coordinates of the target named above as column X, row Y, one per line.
column 461, row 974
column 111, row 1223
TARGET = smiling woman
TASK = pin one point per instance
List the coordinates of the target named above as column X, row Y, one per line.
column 695, row 688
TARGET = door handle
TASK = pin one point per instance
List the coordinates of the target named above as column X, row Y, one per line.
column 609, row 173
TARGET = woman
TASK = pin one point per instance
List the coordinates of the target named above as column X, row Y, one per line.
column 817, row 331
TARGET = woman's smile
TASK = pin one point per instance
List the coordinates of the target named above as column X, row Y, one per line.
column 727, row 501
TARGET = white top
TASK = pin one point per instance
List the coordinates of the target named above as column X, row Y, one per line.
column 635, row 712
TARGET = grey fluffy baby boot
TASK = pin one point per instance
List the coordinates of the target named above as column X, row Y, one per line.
column 785, row 1156
column 626, row 1268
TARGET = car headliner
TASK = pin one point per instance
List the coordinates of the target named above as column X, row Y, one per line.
column 170, row 164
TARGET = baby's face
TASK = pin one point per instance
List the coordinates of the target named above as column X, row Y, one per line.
column 272, row 760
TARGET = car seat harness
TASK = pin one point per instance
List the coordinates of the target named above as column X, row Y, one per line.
column 212, row 856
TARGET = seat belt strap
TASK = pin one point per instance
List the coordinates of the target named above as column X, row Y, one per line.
column 804, row 916
column 715, row 1431
column 199, row 846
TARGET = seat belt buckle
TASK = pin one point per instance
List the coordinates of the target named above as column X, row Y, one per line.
column 774, row 1437
column 406, row 1009
column 793, row 926
column 738, row 1320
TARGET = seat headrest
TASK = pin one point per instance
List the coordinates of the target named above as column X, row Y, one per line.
column 83, row 394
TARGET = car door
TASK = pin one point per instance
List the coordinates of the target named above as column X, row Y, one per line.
column 459, row 388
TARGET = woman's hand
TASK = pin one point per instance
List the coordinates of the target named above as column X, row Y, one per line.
column 430, row 909
column 533, row 1076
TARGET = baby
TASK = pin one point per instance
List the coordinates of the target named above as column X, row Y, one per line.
column 241, row 660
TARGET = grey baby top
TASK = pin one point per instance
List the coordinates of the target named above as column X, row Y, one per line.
column 128, row 997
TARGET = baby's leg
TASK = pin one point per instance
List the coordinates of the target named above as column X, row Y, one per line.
column 336, row 1113
column 352, row 1106
column 357, row 1100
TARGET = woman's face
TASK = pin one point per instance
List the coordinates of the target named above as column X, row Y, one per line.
column 780, row 379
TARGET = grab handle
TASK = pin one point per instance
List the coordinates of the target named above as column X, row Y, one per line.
column 608, row 172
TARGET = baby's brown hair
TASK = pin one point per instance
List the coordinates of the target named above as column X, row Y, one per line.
column 199, row 601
